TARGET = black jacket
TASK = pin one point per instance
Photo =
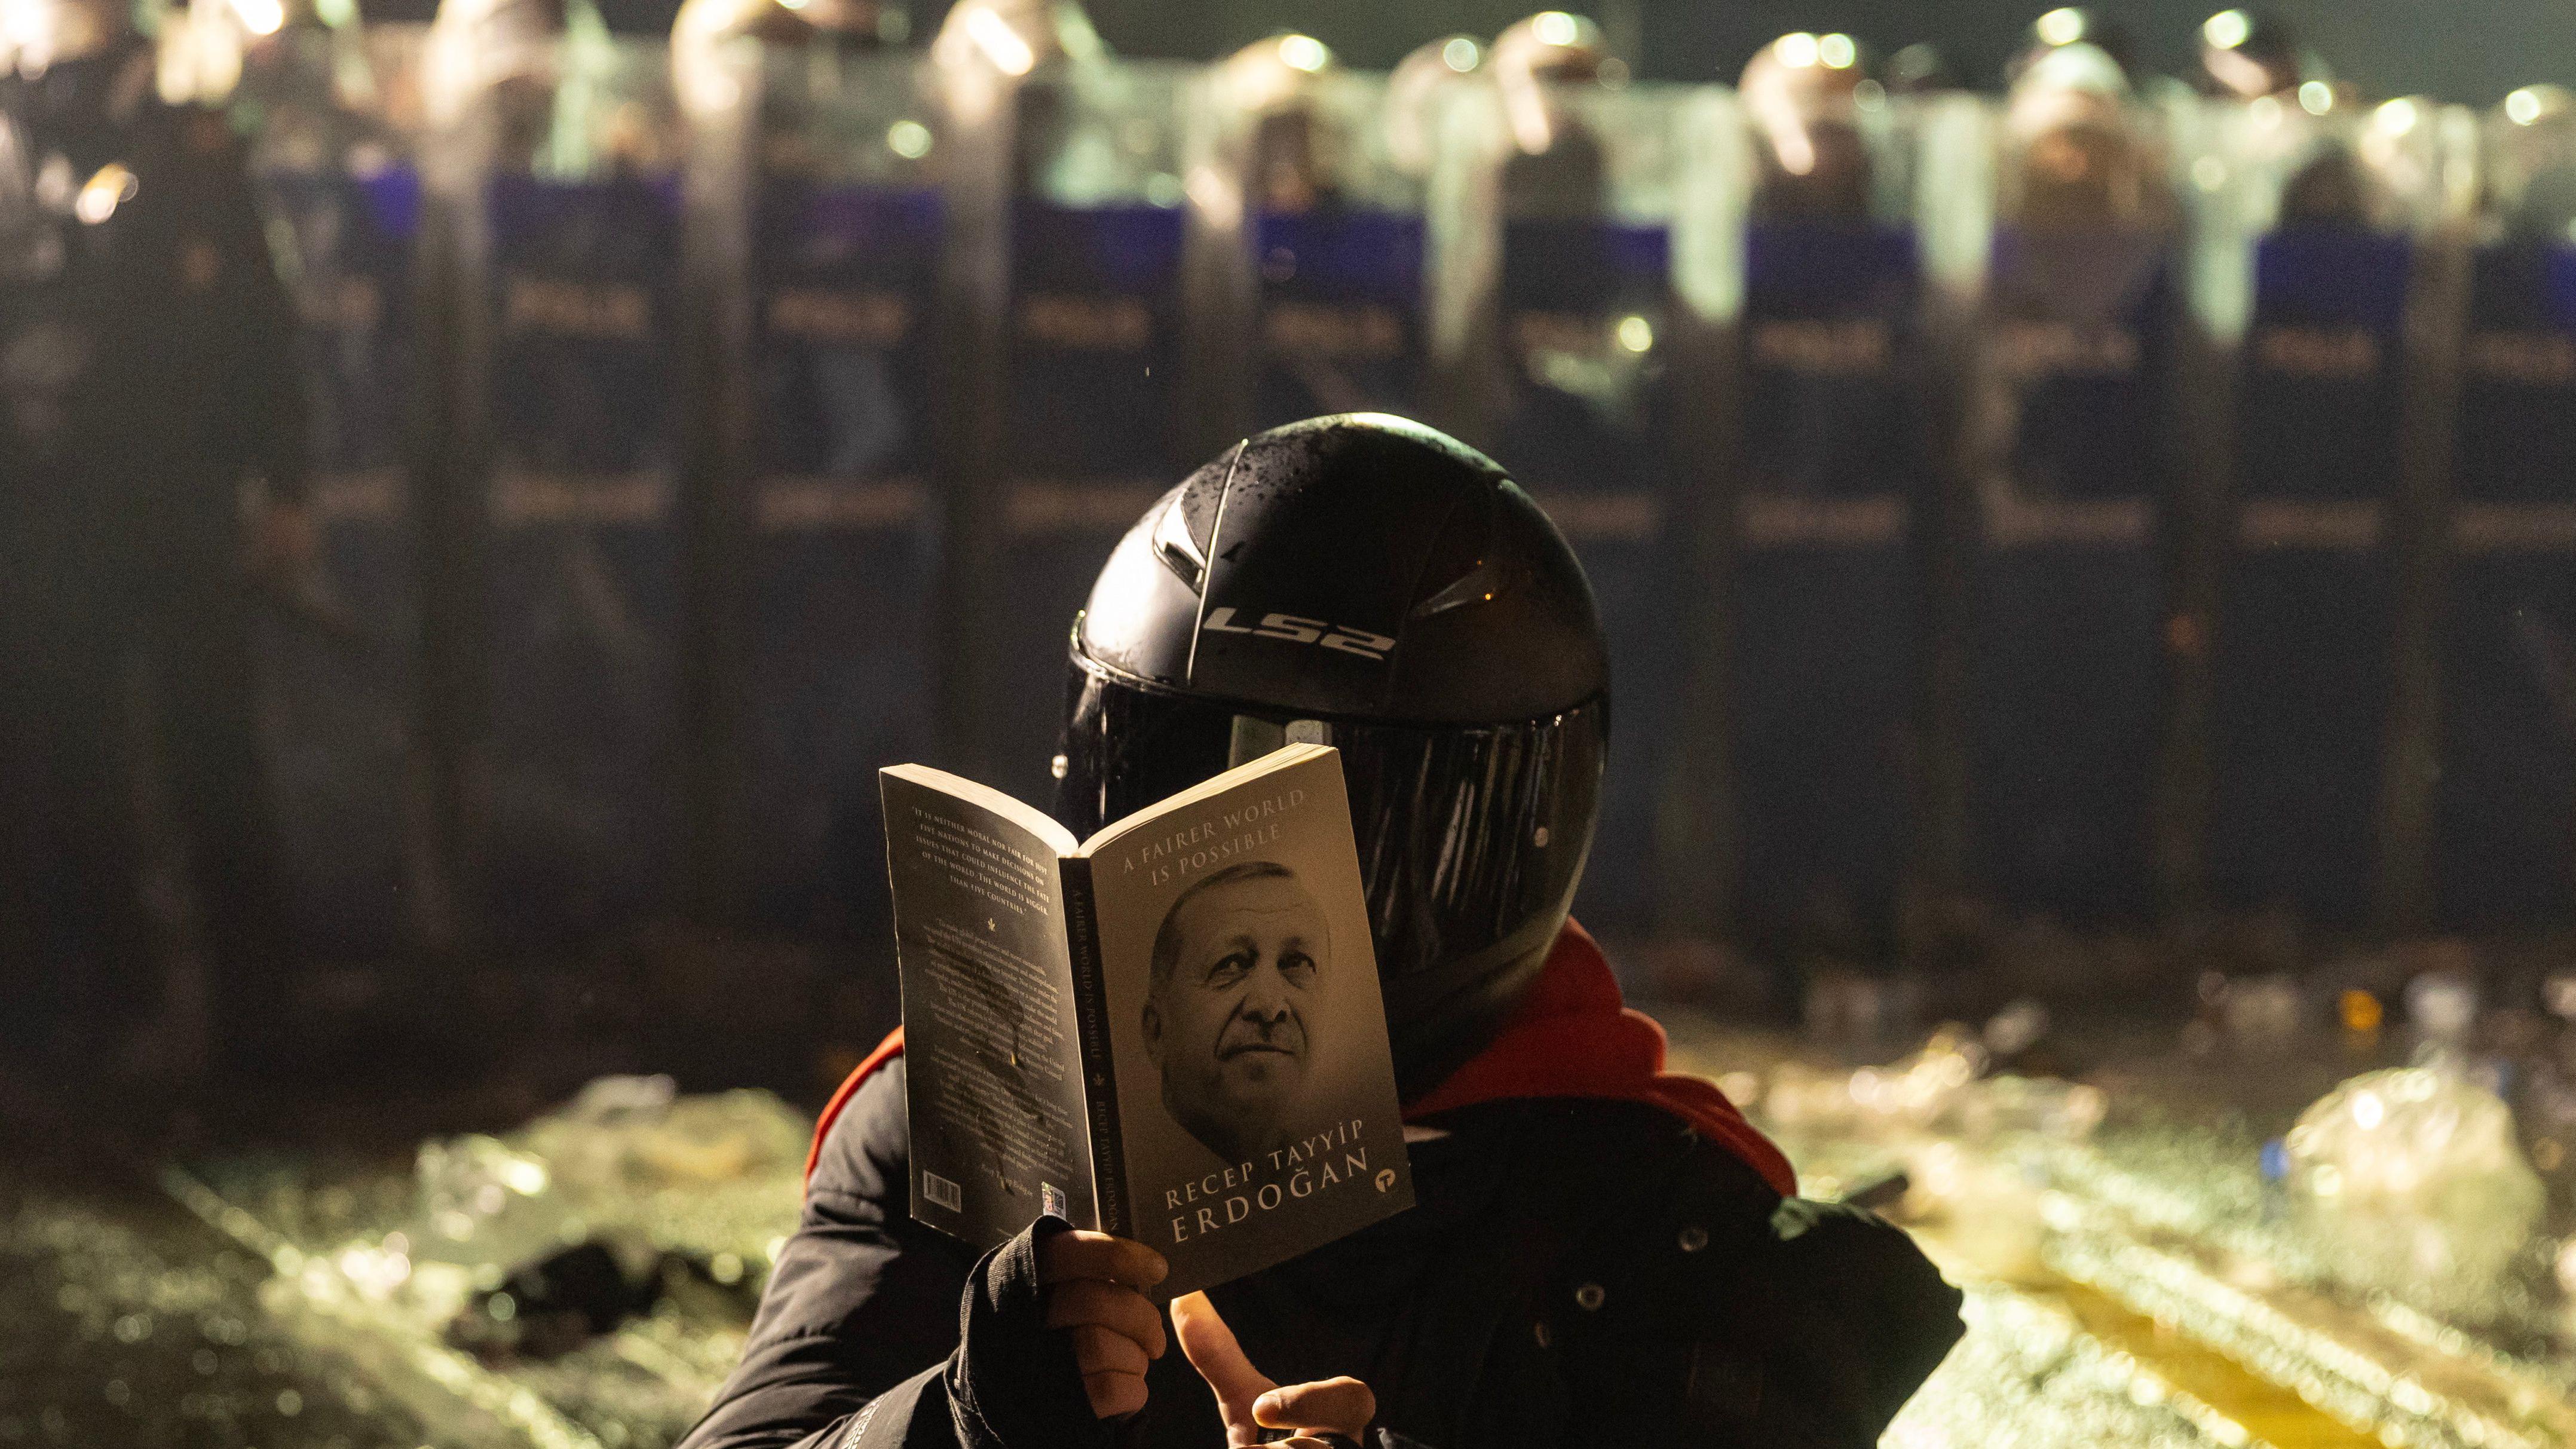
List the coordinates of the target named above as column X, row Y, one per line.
column 1574, row 1272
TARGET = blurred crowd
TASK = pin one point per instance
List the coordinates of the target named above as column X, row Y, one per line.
column 495, row 492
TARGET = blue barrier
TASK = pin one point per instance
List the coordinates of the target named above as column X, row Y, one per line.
column 341, row 662
column 2505, row 807
column 1827, row 578
column 2303, row 670
column 842, row 531
column 582, row 564
column 1583, row 305
column 2066, row 693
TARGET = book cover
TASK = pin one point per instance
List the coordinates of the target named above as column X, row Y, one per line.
column 1172, row 1031
column 1255, row 1089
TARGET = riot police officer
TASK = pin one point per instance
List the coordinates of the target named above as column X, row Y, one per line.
column 1557, row 167
column 1801, row 93
column 146, row 370
column 703, row 28
column 2078, row 163
column 2538, row 151
column 1559, row 1171
column 1415, row 90
column 2069, row 25
column 2245, row 54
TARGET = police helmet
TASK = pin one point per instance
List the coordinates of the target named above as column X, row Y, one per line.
column 1802, row 93
column 2250, row 53
column 2074, row 25
column 2534, row 168
column 37, row 34
column 1369, row 583
column 1551, row 47
column 1415, row 92
column 1294, row 143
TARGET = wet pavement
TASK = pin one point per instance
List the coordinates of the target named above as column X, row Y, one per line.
column 126, row 1322
column 2139, row 1270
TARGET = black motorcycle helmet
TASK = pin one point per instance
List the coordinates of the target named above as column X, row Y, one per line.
column 1369, row 583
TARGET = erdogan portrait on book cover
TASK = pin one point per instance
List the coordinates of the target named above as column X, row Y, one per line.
column 1241, row 966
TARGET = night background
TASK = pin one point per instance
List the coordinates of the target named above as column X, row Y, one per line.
column 2088, row 570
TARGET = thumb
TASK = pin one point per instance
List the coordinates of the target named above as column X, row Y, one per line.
column 1210, row 1347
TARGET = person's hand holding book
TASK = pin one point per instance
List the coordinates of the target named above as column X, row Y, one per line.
column 1094, row 1291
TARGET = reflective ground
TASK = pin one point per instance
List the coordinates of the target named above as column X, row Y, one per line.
column 2194, row 1235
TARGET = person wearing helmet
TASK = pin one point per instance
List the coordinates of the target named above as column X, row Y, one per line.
column 1330, row 272
column 704, row 30
column 2256, row 57
column 1292, row 149
column 2251, row 55
column 2536, row 166
column 985, row 46
column 1801, row 93
column 146, row 376
column 2074, row 25
column 1557, row 167
column 1563, row 364
column 1919, row 69
column 2072, row 392
column 1822, row 687
column 2078, row 162
column 286, row 80
column 1417, row 92
column 1601, row 1252
column 2246, row 54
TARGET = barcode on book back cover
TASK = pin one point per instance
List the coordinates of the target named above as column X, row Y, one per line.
column 941, row 1191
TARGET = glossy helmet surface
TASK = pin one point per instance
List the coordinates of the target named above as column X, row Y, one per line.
column 1369, row 583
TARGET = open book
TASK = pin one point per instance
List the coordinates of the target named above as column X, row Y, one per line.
column 1170, row 1031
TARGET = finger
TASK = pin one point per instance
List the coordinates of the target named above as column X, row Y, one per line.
column 1342, row 1406
column 1120, row 1310
column 1102, row 1350
column 1113, row 1394
column 1079, row 1254
column 1211, row 1349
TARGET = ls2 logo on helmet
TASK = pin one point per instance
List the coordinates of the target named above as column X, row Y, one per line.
column 1304, row 631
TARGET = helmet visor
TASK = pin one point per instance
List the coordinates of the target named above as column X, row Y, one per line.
column 1471, row 837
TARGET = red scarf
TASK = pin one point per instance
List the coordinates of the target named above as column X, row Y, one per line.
column 1571, row 1036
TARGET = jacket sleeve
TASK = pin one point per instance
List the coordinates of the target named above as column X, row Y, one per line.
column 862, row 1300
column 1860, row 1318
column 1748, row 1319
column 876, row 1331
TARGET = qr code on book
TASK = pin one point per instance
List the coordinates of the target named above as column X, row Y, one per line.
column 943, row 1193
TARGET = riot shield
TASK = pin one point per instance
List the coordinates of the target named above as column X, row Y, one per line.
column 334, row 158
column 1827, row 514
column 2505, row 809
column 2072, row 454
column 560, row 544
column 1305, row 251
column 1065, row 285
column 814, row 244
column 1552, row 214
column 2309, row 266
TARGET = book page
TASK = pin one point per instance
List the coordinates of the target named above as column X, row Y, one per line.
column 993, row 1076
column 1256, row 1091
